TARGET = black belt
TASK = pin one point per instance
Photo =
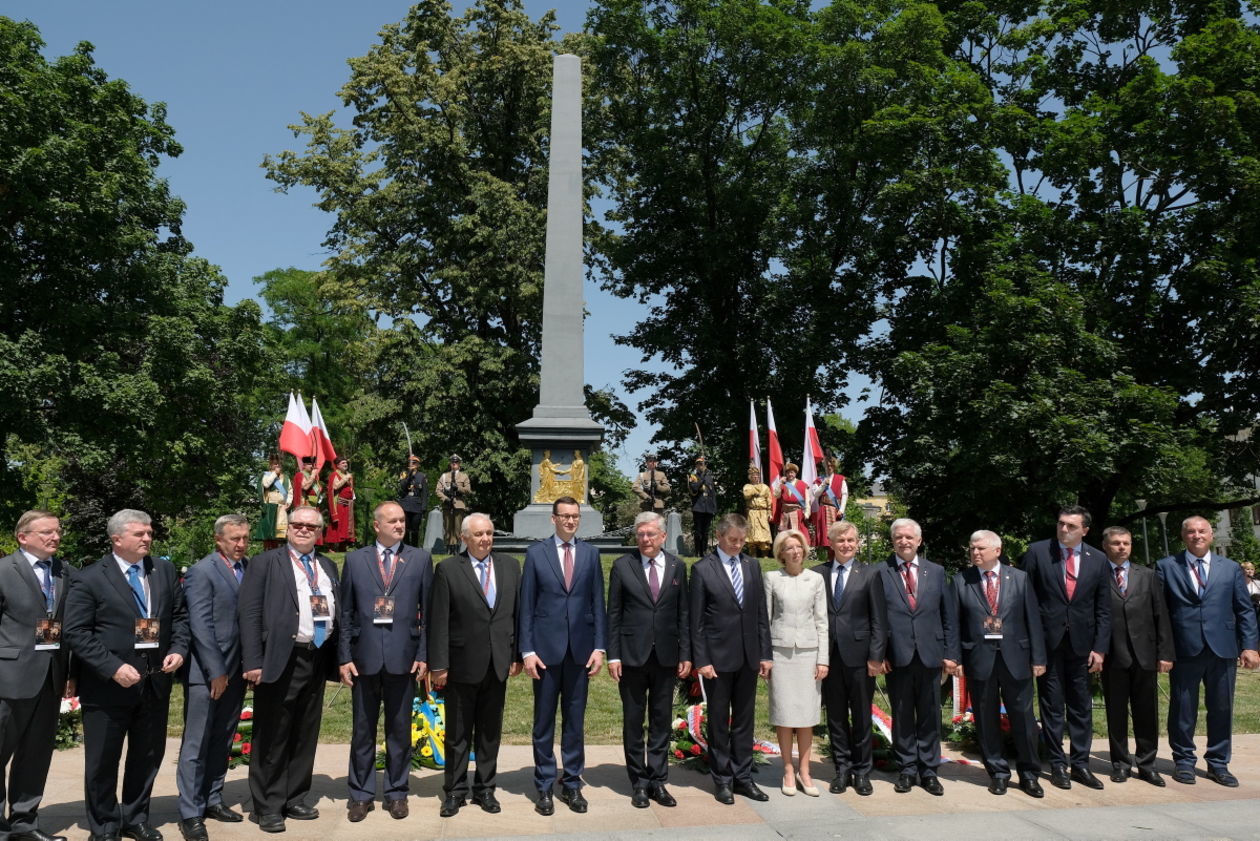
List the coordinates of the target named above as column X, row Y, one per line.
column 305, row 646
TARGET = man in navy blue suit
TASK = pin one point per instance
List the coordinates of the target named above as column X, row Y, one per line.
column 562, row 642
column 1073, row 590
column 385, row 589
column 1214, row 627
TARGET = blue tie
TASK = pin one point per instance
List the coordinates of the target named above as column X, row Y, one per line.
column 46, row 584
column 1202, row 575
column 321, row 628
column 240, row 573
column 137, row 588
column 737, row 579
column 841, row 569
column 487, row 583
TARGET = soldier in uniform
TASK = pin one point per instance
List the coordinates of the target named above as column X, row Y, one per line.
column 454, row 490
column 651, row 487
column 413, row 496
column 703, row 505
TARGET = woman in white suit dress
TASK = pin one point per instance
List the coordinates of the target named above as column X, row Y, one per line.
column 797, row 600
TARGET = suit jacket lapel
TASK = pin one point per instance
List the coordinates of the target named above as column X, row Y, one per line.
column 1060, row 570
column 27, row 574
column 226, row 572
column 400, row 561
column 900, row 580
column 640, row 581
column 470, row 573
column 553, row 560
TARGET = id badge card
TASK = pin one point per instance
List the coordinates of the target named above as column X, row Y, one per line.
column 47, row 634
column 319, row 609
column 147, row 632
column 992, row 627
column 383, row 610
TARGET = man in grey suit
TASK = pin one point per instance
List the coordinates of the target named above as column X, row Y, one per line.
column 1141, row 649
column 32, row 672
column 385, row 591
column 213, row 687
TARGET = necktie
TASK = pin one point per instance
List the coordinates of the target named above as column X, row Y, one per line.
column 238, row 571
column 737, row 580
column 321, row 628
column 568, row 566
column 45, row 584
column 1069, row 564
column 1120, row 580
column 839, row 591
column 387, row 567
column 990, row 591
column 487, row 585
column 654, row 581
column 908, row 570
column 137, row 588
column 1202, row 575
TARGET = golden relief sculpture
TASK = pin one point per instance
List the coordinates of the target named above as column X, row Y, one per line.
column 550, row 484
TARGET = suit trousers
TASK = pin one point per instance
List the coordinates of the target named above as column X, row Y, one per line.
column 847, row 693
column 987, row 697
column 474, row 721
column 732, row 706
column 1134, row 688
column 914, row 692
column 286, row 733
column 209, row 727
column 647, row 690
column 369, row 693
column 27, row 728
column 561, row 685
column 1217, row 676
column 143, row 726
column 1064, row 691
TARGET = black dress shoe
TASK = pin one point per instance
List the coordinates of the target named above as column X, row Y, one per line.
column 193, row 829
column 140, row 832
column 1222, row 776
column 1086, row 777
column 1119, row 773
column 1152, row 777
column 1059, row 777
column 35, row 835
column 488, row 802
column 997, row 785
column 1030, row 786
column 219, row 812
column 639, row 799
column 723, row 794
column 904, row 783
column 840, row 784
column 573, row 797
column 397, row 809
column 1184, row 776
column 356, row 810
column 268, row 823
column 662, row 796
column 544, row 805
column 862, row 785
column 749, row 789
column 451, row 806
column 301, row 812
column 932, row 784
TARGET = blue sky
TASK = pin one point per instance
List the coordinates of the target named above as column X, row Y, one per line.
column 234, row 76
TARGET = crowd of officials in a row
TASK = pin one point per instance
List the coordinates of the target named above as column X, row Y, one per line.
column 120, row 631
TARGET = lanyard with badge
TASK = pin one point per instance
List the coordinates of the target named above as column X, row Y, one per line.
column 320, row 612
column 48, row 630
column 383, row 606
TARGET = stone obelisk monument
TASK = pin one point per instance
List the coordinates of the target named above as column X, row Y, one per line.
column 561, row 433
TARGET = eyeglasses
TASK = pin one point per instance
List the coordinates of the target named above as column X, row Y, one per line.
column 305, row 526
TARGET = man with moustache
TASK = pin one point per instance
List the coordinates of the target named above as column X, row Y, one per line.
column 922, row 640
column 214, row 689
column 649, row 649
column 33, row 675
column 999, row 628
column 125, row 679
column 288, row 609
column 857, row 625
column 1141, row 649
column 383, row 652
column 1070, row 581
column 472, row 653
column 730, row 648
column 1214, row 629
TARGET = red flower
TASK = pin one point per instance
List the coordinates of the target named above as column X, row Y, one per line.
column 246, row 715
column 678, row 754
column 236, row 737
column 695, row 750
column 245, row 748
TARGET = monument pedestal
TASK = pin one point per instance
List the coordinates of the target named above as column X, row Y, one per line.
column 557, row 445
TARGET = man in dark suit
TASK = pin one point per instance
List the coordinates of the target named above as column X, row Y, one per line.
column 1141, row 648
column 472, row 653
column 703, row 505
column 214, row 689
column 124, row 679
column 857, row 625
column 383, row 652
column 1070, row 580
column 288, row 610
column 922, row 639
column 649, row 649
column 32, row 672
column 1214, row 628
column 413, row 496
column 562, row 638
column 999, row 628
column 730, row 648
